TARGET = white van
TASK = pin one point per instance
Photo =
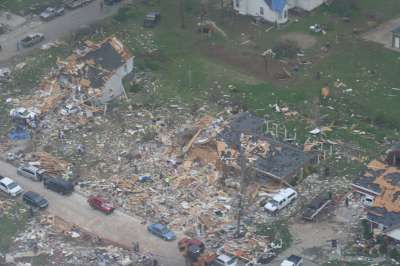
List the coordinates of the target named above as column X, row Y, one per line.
column 281, row 200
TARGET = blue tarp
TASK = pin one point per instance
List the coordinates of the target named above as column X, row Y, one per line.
column 277, row 5
column 19, row 134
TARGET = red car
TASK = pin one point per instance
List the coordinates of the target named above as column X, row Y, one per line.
column 101, row 204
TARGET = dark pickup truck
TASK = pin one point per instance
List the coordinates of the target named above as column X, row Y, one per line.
column 317, row 205
column 32, row 39
column 151, row 19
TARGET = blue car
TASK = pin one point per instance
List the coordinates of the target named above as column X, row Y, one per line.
column 162, row 231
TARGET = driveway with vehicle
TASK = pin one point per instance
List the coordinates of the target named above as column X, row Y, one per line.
column 117, row 227
column 55, row 29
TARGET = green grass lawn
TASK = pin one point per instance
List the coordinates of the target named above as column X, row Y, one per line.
column 189, row 75
column 10, row 224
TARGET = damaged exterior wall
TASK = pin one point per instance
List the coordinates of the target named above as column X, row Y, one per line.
column 114, row 87
column 259, row 8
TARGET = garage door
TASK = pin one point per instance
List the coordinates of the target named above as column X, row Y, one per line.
column 396, row 42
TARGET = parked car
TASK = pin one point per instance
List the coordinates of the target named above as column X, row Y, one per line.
column 292, row 260
column 31, row 172
column 32, row 39
column 101, row 204
column 9, row 186
column 35, row 200
column 51, row 12
column 161, row 231
column 58, row 185
column 225, row 260
column 185, row 242
column 111, row 2
column 151, row 19
column 281, row 200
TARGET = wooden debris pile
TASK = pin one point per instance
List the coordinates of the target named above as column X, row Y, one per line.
column 52, row 165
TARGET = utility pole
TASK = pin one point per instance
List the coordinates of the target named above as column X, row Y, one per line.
column 243, row 185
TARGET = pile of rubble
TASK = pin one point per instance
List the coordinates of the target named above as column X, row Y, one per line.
column 50, row 238
column 6, row 206
column 162, row 164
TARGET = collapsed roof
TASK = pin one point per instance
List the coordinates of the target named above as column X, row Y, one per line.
column 385, row 181
column 93, row 67
column 269, row 157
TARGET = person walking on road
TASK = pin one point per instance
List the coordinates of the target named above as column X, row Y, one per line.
column 101, row 5
column 18, row 46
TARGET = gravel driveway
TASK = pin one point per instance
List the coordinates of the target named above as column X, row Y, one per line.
column 117, row 227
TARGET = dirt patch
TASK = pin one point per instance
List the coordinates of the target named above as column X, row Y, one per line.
column 304, row 41
column 252, row 63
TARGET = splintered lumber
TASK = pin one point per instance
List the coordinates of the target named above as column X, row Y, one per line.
column 273, row 176
column 201, row 124
column 52, row 165
column 287, row 72
column 189, row 145
column 316, row 206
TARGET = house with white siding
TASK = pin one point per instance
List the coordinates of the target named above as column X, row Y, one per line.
column 275, row 11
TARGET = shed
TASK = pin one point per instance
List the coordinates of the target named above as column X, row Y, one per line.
column 396, row 38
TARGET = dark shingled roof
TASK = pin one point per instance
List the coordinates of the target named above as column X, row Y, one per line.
column 381, row 216
column 393, row 178
column 367, row 181
column 105, row 56
column 96, row 77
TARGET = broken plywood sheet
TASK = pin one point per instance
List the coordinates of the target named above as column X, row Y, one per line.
column 51, row 164
column 376, row 165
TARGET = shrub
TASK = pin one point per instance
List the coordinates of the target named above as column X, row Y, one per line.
column 395, row 254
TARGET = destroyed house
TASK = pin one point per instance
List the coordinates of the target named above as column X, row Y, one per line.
column 382, row 183
column 98, row 70
column 270, row 158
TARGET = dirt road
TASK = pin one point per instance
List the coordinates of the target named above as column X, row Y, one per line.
column 117, row 227
column 54, row 29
